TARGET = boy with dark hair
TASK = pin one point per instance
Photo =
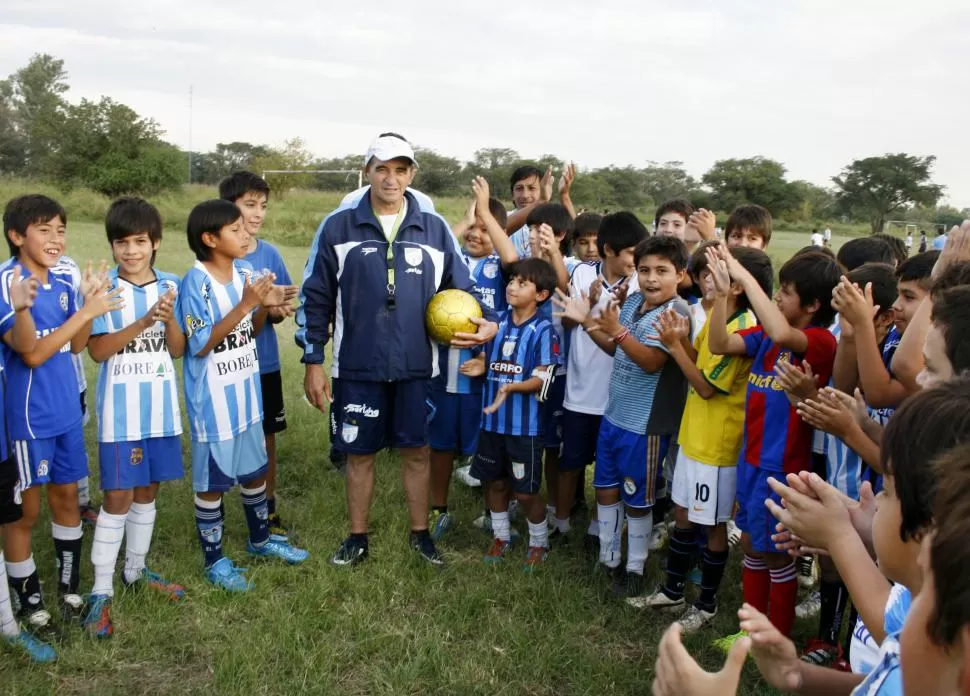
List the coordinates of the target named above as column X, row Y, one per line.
column 517, row 365
column 671, row 218
column 946, row 352
column 530, row 189
column 222, row 306
column 454, row 427
column 585, row 233
column 625, row 439
column 900, row 252
column 250, row 193
column 139, row 421
column 705, row 478
column 749, row 226
column 793, row 328
column 42, row 406
column 587, row 389
column 860, row 250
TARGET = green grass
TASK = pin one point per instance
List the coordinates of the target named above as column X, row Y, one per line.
column 393, row 626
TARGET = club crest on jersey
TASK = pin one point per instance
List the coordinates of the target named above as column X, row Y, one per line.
column 490, row 270
column 508, row 348
column 629, row 486
column 518, row 470
column 349, row 432
column 137, row 456
column 43, row 468
column 63, row 301
column 413, row 256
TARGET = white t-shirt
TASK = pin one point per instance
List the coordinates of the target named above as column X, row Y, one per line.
column 818, row 240
column 589, row 367
column 909, row 241
column 828, row 235
column 387, row 221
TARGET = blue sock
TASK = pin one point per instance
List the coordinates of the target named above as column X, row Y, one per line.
column 209, row 520
column 254, row 503
column 271, row 506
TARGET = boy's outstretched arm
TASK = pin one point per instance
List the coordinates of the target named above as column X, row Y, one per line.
column 565, row 186
column 718, row 339
column 504, row 247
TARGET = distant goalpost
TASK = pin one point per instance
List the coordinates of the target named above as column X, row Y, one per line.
column 911, row 227
column 348, row 172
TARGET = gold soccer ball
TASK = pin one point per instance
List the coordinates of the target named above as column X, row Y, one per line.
column 450, row 312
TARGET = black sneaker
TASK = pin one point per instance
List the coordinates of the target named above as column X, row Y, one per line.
column 591, row 544
column 73, row 608
column 352, row 551
column 277, row 529
column 557, row 538
column 421, row 542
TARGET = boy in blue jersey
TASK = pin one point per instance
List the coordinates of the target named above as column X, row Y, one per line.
column 222, row 307
column 139, row 422
column 454, row 427
column 42, row 405
column 250, row 193
column 517, row 365
column 627, row 458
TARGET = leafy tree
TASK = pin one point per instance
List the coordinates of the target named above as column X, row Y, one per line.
column 817, row 203
column 293, row 155
column 231, row 157
column 13, row 145
column 662, row 182
column 439, row 175
column 752, row 180
column 875, row 187
column 32, row 114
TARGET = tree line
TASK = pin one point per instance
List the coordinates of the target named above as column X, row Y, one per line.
column 105, row 145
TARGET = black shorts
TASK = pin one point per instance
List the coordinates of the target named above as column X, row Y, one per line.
column 10, row 510
column 274, row 415
column 514, row 457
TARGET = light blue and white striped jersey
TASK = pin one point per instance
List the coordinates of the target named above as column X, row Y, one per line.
column 885, row 679
column 137, row 394
column 222, row 388
column 631, row 388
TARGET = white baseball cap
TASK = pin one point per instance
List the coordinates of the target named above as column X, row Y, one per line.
column 388, row 147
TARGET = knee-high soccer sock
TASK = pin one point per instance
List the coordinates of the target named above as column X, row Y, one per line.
column 712, row 570
column 539, row 534
column 782, row 597
column 108, row 534
column 257, row 519
column 84, row 492
column 138, row 529
column 23, row 577
column 501, row 527
column 67, row 547
column 834, row 598
column 637, row 540
column 661, row 507
column 8, row 624
column 271, row 505
column 680, row 556
column 611, row 524
column 756, row 583
column 209, row 521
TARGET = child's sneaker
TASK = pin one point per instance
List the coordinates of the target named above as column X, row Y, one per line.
column 72, row 608
column 277, row 548
column 657, row 600
column 464, row 474
column 497, row 551
column 35, row 649
column 97, row 621
column 277, row 529
column 810, row 606
column 806, row 574
column 155, row 582
column 820, row 653
column 439, row 523
column 421, row 543
column 224, row 574
column 352, row 551
column 695, row 618
column 535, row 557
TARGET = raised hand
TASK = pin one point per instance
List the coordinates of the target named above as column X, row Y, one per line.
column 103, row 299
column 596, row 289
column 854, row 304
column 566, row 180
column 548, row 246
column 545, row 186
column 575, row 307
column 828, row 411
column 800, row 383
column 678, row 674
column 255, row 292
column 619, row 292
column 957, row 248
column 163, row 311
column 703, row 221
column 469, row 218
column 820, row 520
column 720, row 274
column 609, row 319
column 481, row 193
column 23, row 291
column 673, row 328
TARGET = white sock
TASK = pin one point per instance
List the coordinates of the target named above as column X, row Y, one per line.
column 84, row 492
column 138, row 528
column 500, row 526
column 594, row 528
column 610, row 525
column 108, row 534
column 539, row 535
column 638, row 538
column 561, row 525
column 8, row 624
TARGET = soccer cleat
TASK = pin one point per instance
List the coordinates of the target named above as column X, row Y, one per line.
column 97, row 620
column 806, row 574
column 425, row 548
column 72, row 607
column 695, row 618
column 658, row 537
column 820, row 653
column 810, row 606
column 277, row 548
column 278, row 530
column 155, row 582
column 439, row 523
column 464, row 474
column 35, row 649
column 89, row 516
column 733, row 533
column 227, row 576
column 351, row 552
column 657, row 600
column 497, row 551
column 534, row 557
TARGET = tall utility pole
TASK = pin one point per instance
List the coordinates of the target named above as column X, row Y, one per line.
column 190, row 134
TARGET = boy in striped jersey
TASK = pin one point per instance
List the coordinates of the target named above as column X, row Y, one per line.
column 139, row 422
column 517, row 374
column 222, row 306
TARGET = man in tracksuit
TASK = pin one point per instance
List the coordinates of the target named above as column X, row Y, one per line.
column 373, row 267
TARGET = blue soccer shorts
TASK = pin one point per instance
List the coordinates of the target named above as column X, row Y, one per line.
column 218, row 466
column 631, row 462
column 552, row 414
column 580, row 433
column 139, row 463
column 456, row 422
column 60, row 459
column 367, row 417
column 517, row 458
column 752, row 517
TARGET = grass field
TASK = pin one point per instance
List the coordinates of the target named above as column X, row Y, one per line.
column 392, row 626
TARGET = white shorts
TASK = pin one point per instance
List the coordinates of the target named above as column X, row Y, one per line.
column 706, row 491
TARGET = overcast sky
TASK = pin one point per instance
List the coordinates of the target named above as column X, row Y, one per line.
column 812, row 83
